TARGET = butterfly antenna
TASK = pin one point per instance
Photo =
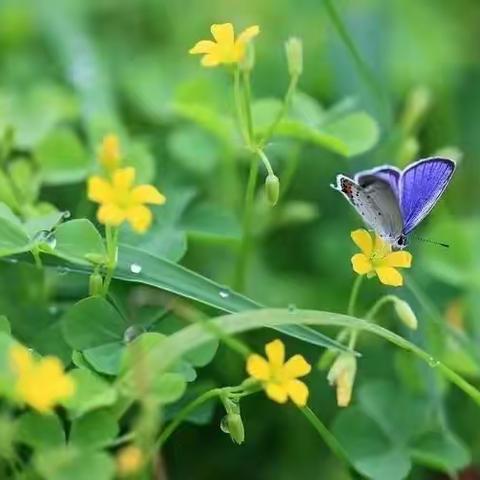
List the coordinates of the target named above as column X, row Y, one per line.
column 426, row 240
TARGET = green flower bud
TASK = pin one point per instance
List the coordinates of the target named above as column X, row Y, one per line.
column 233, row 425
column 95, row 286
column 294, row 52
column 405, row 313
column 418, row 102
column 272, row 189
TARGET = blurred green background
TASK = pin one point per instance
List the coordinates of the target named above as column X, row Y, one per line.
column 72, row 70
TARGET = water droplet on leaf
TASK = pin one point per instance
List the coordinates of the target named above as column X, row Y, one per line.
column 224, row 424
column 132, row 332
column 135, row 268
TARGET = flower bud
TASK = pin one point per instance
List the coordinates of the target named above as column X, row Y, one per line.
column 130, row 460
column 342, row 375
column 109, row 154
column 248, row 61
column 418, row 102
column 294, row 52
column 272, row 189
column 405, row 313
column 95, row 285
column 233, row 425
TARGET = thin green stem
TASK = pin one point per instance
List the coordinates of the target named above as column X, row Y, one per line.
column 365, row 71
column 326, row 435
column 184, row 413
column 265, row 160
column 111, row 234
column 36, row 257
column 352, row 302
column 247, row 108
column 238, row 104
column 243, row 257
column 292, row 86
column 378, row 305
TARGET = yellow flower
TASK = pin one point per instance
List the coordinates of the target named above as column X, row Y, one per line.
column 40, row 383
column 109, row 153
column 377, row 258
column 120, row 201
column 279, row 378
column 129, row 460
column 225, row 49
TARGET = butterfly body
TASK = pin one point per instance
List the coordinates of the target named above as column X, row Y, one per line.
column 393, row 202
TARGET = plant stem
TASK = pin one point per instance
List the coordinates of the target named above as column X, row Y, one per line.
column 326, row 435
column 36, row 257
column 238, row 105
column 354, row 295
column 283, row 110
column 378, row 305
column 183, row 414
column 247, row 108
column 111, row 234
column 243, row 256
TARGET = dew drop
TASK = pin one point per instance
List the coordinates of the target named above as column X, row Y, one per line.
column 292, row 308
column 132, row 332
column 53, row 309
column 12, row 260
column 66, row 214
column 224, row 425
column 432, row 362
column 62, row 270
column 224, row 293
column 135, row 268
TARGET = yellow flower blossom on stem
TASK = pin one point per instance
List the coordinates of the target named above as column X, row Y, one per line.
column 109, row 153
column 378, row 259
column 280, row 378
column 41, row 384
column 120, row 201
column 225, row 49
column 129, row 460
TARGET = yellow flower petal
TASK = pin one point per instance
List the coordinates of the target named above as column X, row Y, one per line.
column 275, row 353
column 389, row 276
column 111, row 214
column 381, row 247
column 211, row 60
column 203, row 46
column 223, row 34
column 298, row 392
column 21, row 359
column 398, row 259
column 99, row 190
column 361, row 264
column 363, row 240
column 248, row 34
column 258, row 367
column 296, row 366
column 140, row 218
column 123, row 178
column 147, row 194
column 277, row 393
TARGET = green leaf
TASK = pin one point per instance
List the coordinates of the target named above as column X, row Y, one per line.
column 105, row 358
column 194, row 149
column 368, row 448
column 168, row 387
column 13, row 238
column 91, row 392
column 39, row 431
column 358, row 131
column 43, row 222
column 441, row 451
column 201, row 356
column 25, row 180
column 5, row 325
column 77, row 239
column 92, row 322
column 73, row 464
column 168, row 276
column 62, row 158
column 7, row 195
column 94, row 430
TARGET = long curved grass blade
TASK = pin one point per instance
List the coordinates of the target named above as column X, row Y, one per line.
column 193, row 336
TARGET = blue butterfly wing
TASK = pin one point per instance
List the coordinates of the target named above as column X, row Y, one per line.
column 420, row 187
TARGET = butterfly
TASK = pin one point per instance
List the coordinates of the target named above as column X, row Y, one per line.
column 393, row 202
